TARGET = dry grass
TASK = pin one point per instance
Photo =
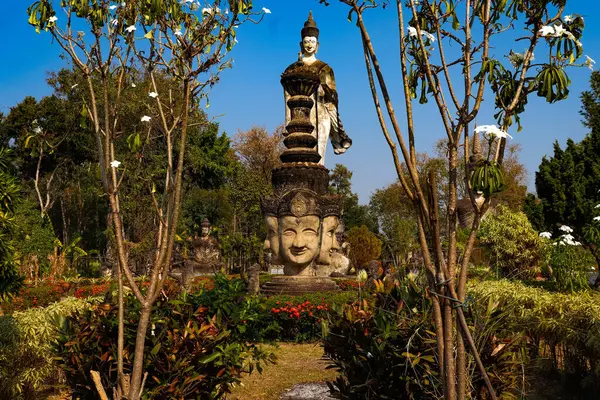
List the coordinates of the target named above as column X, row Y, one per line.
column 296, row 363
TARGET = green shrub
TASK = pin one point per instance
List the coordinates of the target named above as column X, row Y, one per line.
column 26, row 358
column 514, row 247
column 563, row 328
column 384, row 347
column 383, row 350
column 571, row 267
column 365, row 246
column 194, row 348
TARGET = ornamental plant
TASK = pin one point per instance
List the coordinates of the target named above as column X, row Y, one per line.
column 27, row 365
column 514, row 247
column 447, row 55
column 175, row 39
column 571, row 264
column 190, row 353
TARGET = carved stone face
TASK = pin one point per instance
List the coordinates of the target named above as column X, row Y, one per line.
column 299, row 239
column 204, row 231
column 329, row 243
column 309, row 46
column 272, row 242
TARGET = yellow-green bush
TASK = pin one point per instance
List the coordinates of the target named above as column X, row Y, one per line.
column 514, row 247
column 26, row 339
column 563, row 328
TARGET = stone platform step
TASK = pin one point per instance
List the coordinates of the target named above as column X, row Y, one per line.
column 296, row 285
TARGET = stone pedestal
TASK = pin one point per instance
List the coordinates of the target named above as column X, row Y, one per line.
column 297, row 285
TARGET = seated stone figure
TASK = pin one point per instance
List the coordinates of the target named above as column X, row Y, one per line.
column 324, row 117
column 206, row 254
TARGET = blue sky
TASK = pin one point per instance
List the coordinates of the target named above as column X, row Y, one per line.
column 250, row 93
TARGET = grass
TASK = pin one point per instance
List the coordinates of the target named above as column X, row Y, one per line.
column 296, row 363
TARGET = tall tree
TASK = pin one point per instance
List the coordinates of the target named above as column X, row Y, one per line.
column 10, row 281
column 353, row 213
column 179, row 40
column 568, row 183
column 457, row 81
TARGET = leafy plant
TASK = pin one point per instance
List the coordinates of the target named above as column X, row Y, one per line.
column 364, row 245
column 192, row 350
column 514, row 246
column 27, row 366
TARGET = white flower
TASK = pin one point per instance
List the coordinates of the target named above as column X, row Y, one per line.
column 565, row 228
column 207, row 10
column 556, row 30
column 428, row 36
column 37, row 130
column 115, row 164
column 115, row 22
column 130, row 28
column 133, row 84
column 559, row 30
column 53, row 18
column 113, row 7
column 568, row 19
column 546, row 30
column 153, row 95
column 146, row 118
column 412, row 32
column 492, row 131
column 266, row 10
column 178, row 32
column 74, row 86
column 589, row 62
column 152, row 331
column 568, row 237
column 597, row 206
column 236, row 26
column 597, row 218
column 546, row 235
column 235, row 41
column 186, row 1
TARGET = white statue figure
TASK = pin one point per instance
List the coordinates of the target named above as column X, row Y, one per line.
column 324, row 116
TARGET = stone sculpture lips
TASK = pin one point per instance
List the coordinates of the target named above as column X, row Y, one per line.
column 298, row 251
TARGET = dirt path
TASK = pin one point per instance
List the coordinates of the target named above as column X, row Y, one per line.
column 295, row 363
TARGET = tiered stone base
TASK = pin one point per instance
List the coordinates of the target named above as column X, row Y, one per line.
column 296, row 285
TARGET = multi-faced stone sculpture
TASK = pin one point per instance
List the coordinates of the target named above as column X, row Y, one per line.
column 301, row 217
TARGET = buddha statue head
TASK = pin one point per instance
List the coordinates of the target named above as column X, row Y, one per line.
column 301, row 229
column 205, row 228
column 310, row 37
column 329, row 242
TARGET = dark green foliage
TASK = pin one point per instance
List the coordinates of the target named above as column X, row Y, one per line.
column 192, row 351
column 571, row 267
column 568, row 183
column 340, row 183
column 10, row 281
column 384, row 350
column 384, row 347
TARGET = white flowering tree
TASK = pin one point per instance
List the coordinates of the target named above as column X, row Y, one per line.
column 184, row 40
column 445, row 50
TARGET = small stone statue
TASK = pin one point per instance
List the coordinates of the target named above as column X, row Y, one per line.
column 253, row 279
column 325, row 116
column 206, row 254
